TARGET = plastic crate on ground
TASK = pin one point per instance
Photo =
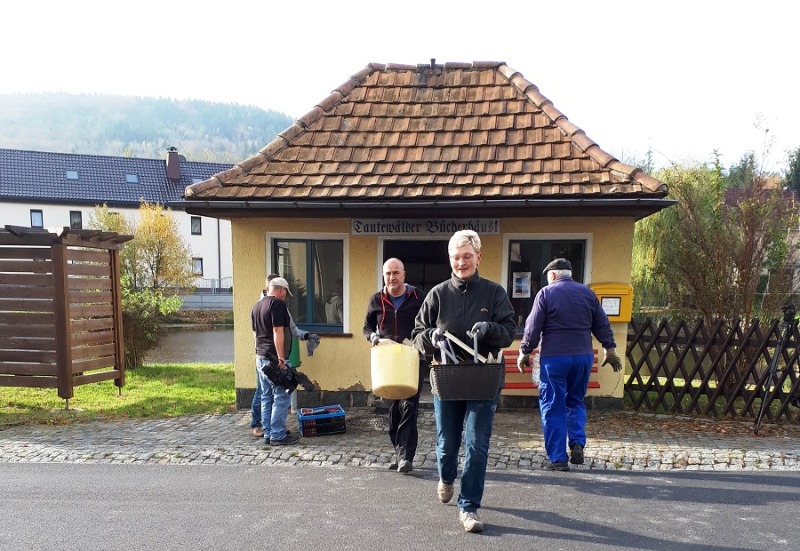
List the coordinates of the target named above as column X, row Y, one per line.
column 321, row 420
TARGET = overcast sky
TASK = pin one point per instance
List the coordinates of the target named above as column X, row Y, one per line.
column 681, row 77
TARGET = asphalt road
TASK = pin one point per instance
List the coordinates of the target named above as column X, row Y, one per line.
column 63, row 507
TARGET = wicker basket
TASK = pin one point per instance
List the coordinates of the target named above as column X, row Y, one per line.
column 466, row 381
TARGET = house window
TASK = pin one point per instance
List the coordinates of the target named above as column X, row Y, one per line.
column 132, row 178
column 315, row 272
column 72, row 175
column 527, row 259
column 197, row 225
column 197, row 266
column 75, row 220
column 37, row 219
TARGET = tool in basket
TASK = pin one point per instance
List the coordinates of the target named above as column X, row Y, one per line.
column 475, row 380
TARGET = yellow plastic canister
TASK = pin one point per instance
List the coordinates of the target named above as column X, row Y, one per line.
column 395, row 371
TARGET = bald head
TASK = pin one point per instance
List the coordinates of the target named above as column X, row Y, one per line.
column 394, row 277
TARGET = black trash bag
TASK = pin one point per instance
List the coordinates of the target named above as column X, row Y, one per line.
column 289, row 378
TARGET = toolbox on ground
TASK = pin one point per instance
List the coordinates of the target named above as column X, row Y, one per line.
column 321, row 420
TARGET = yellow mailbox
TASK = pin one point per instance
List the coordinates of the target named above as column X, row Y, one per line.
column 616, row 299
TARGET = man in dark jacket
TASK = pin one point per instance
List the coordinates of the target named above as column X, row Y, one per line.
column 564, row 317
column 467, row 306
column 390, row 315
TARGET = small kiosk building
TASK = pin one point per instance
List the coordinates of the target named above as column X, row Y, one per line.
column 390, row 165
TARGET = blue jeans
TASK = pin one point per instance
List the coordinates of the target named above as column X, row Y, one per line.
column 255, row 407
column 561, row 402
column 475, row 418
column 275, row 402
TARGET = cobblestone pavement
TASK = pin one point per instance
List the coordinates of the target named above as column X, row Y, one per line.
column 617, row 440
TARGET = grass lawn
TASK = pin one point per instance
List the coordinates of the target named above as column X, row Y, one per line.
column 160, row 390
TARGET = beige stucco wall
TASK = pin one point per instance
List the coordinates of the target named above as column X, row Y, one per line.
column 342, row 361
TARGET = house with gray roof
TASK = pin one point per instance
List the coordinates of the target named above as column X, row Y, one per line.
column 56, row 190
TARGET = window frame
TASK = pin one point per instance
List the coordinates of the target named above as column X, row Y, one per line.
column 587, row 238
column 271, row 258
column 195, row 260
column 199, row 220
column 131, row 178
column 41, row 218
column 72, row 225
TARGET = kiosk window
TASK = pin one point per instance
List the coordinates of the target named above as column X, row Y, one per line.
column 527, row 259
column 315, row 272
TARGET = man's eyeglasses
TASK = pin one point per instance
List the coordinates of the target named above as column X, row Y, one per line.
column 465, row 257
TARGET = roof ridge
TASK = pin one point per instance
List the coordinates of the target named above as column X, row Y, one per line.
column 104, row 156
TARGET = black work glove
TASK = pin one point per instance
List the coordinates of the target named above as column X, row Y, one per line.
column 374, row 338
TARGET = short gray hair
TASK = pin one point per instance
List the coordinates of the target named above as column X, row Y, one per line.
column 464, row 237
column 562, row 273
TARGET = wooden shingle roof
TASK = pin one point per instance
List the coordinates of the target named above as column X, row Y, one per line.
column 430, row 138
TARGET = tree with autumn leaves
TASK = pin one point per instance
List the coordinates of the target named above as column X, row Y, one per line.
column 154, row 265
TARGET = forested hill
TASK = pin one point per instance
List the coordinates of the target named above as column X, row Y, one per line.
column 136, row 126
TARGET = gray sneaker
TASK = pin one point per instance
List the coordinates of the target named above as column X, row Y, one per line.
column 405, row 466
column 445, row 492
column 470, row 521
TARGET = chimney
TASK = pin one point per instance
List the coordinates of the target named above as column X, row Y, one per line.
column 173, row 164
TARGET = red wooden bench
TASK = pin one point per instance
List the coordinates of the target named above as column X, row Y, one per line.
column 510, row 359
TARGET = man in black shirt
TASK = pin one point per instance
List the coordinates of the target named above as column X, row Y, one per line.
column 270, row 321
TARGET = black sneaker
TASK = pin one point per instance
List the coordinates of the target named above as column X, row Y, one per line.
column 576, row 454
column 285, row 441
column 559, row 466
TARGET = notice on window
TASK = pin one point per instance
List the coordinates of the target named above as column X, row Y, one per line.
column 522, row 285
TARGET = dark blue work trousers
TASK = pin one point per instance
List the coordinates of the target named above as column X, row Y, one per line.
column 564, row 380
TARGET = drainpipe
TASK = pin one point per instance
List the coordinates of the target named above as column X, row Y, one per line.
column 219, row 260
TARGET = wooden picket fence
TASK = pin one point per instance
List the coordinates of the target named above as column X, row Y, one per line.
column 721, row 370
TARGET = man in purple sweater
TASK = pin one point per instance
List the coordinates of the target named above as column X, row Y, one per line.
column 564, row 317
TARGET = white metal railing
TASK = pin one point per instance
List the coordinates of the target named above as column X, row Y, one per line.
column 216, row 286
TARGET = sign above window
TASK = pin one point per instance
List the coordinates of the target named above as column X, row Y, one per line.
column 424, row 226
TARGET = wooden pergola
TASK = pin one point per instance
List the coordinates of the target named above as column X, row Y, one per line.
column 60, row 308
